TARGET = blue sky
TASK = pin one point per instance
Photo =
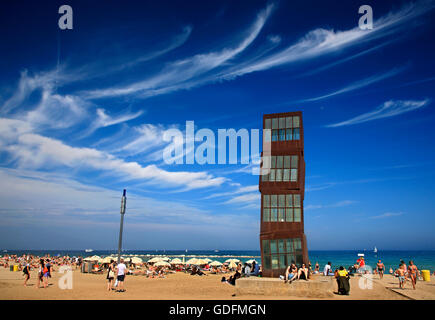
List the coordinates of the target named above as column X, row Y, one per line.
column 83, row 112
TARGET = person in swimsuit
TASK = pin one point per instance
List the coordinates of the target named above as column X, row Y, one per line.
column 26, row 272
column 40, row 272
column 401, row 274
column 380, row 266
column 412, row 272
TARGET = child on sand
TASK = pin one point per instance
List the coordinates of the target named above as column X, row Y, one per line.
column 400, row 272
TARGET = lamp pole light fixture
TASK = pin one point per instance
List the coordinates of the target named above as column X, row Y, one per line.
column 123, row 203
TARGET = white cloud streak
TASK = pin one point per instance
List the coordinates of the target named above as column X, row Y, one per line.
column 387, row 215
column 35, row 151
column 388, row 109
column 358, row 84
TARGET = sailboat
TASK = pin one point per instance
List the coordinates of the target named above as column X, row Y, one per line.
column 375, row 250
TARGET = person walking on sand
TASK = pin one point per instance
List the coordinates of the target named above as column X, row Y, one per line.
column 380, row 266
column 40, row 273
column 121, row 267
column 26, row 272
column 412, row 272
column 110, row 275
column 400, row 272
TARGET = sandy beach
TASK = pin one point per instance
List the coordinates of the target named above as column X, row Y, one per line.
column 184, row 286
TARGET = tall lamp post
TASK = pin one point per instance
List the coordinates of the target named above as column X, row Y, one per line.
column 123, row 202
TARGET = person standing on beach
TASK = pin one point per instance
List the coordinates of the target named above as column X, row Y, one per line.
column 26, row 272
column 401, row 274
column 40, row 272
column 121, row 267
column 110, row 275
column 412, row 272
column 380, row 266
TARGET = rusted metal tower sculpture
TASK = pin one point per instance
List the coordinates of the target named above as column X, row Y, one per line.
column 282, row 187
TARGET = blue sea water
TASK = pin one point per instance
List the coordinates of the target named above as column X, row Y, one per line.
column 390, row 258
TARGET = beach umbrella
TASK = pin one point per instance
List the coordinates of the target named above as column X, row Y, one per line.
column 201, row 262
column 208, row 260
column 250, row 261
column 106, row 260
column 176, row 261
column 136, row 260
column 232, row 265
column 162, row 264
column 192, row 261
column 155, row 259
column 88, row 259
column 165, row 258
column 232, row 260
column 216, row 264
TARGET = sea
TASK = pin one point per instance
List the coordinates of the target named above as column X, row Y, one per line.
column 425, row 260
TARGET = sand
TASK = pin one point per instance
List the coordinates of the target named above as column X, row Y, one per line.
column 181, row 286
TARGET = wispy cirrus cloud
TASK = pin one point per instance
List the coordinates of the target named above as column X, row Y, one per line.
column 248, row 198
column 240, row 190
column 388, row 109
column 387, row 215
column 226, row 64
column 320, row 42
column 177, row 74
column 339, row 204
column 34, row 151
column 104, row 120
column 358, row 84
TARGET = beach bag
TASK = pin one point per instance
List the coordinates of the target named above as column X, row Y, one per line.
column 45, row 270
column 111, row 274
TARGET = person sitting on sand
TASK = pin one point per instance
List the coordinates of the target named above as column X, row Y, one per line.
column 303, row 272
column 327, row 270
column 400, row 272
column 316, row 268
column 291, row 273
column 255, row 269
column 247, row 270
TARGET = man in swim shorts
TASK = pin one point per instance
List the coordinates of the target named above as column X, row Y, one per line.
column 380, row 266
column 401, row 274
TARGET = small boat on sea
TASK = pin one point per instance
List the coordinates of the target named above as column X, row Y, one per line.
column 88, row 250
column 375, row 250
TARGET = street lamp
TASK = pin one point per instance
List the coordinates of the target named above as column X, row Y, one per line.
column 123, row 202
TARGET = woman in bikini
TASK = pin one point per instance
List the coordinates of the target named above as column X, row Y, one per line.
column 412, row 272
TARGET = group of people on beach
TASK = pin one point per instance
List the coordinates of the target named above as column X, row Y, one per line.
column 248, row 270
column 405, row 273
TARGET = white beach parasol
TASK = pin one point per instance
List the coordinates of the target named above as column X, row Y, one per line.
column 155, row 259
column 232, row 260
column 216, row 264
column 192, row 261
column 176, row 261
column 250, row 261
column 232, row 265
column 136, row 260
column 162, row 264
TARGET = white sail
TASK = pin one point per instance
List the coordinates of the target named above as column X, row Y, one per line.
column 375, row 250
